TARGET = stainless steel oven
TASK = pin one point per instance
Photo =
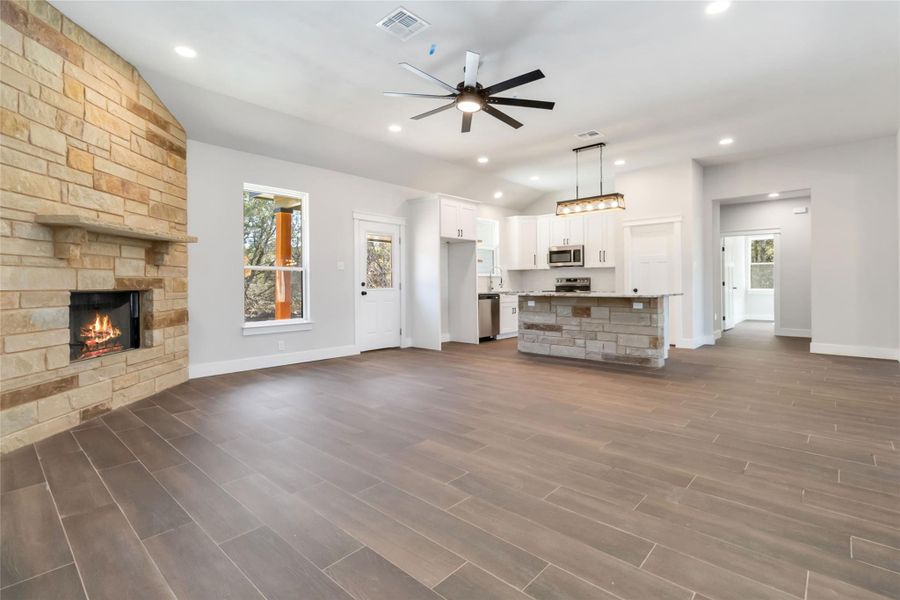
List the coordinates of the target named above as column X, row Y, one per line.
column 566, row 256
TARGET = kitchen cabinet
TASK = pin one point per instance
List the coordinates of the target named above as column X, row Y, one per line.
column 458, row 219
column 509, row 317
column 567, row 231
column 599, row 241
column 543, row 241
column 521, row 243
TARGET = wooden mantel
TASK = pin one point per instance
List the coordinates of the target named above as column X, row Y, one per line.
column 70, row 232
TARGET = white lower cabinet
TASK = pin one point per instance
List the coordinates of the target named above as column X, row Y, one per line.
column 509, row 316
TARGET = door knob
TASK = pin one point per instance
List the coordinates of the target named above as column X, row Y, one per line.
column 364, row 293
column 634, row 290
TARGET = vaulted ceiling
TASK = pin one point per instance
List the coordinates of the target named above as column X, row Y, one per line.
column 662, row 81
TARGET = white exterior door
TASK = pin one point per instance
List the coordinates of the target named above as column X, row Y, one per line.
column 378, row 288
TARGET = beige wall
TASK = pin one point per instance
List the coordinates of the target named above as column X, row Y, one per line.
column 82, row 134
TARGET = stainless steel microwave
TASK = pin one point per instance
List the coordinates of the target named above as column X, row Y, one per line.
column 566, row 256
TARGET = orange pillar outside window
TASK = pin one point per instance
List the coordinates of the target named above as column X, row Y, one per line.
column 283, row 259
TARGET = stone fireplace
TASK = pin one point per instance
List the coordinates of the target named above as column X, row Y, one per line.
column 93, row 256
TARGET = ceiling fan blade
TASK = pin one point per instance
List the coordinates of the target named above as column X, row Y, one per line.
column 502, row 116
column 428, row 77
column 522, row 102
column 433, row 112
column 408, row 95
column 471, row 78
column 467, row 122
column 514, row 82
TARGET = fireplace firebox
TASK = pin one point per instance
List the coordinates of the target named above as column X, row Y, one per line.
column 101, row 323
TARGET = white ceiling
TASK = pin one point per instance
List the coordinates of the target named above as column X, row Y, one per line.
column 662, row 80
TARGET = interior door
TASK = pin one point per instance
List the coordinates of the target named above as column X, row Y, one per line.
column 378, row 287
column 654, row 268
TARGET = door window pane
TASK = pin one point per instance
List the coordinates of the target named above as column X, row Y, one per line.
column 379, row 261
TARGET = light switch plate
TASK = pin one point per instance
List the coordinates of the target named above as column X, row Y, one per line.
column 340, row 265
column 802, row 210
column 637, row 305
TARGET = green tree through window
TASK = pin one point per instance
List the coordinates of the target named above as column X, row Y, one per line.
column 762, row 263
column 260, row 270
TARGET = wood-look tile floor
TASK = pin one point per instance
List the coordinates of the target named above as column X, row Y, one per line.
column 749, row 470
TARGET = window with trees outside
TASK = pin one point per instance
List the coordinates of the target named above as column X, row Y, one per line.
column 762, row 263
column 275, row 256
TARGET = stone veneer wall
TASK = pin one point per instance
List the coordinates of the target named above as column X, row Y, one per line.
column 601, row 329
column 82, row 134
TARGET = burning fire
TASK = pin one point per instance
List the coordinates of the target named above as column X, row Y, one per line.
column 99, row 336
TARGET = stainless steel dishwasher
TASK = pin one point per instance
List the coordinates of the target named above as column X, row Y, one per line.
column 488, row 315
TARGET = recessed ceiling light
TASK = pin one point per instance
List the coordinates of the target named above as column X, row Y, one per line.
column 717, row 8
column 534, row 178
column 395, row 128
column 482, row 159
column 774, row 195
column 619, row 162
column 726, row 141
column 498, row 195
column 185, row 51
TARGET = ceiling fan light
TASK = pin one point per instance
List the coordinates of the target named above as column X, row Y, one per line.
column 469, row 102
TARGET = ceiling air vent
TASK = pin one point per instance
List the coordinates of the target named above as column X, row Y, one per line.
column 402, row 24
column 590, row 134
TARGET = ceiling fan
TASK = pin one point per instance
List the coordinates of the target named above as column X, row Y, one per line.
column 469, row 96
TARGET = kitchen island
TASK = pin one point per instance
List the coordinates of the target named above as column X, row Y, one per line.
column 596, row 326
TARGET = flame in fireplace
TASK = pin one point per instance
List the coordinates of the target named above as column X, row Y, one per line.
column 99, row 337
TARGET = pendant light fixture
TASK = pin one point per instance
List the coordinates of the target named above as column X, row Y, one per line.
column 600, row 202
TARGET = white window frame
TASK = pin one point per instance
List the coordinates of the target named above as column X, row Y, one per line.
column 495, row 249
column 750, row 288
column 284, row 325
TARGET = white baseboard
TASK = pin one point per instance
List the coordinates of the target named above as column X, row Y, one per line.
column 445, row 337
column 757, row 318
column 504, row 336
column 717, row 334
column 694, row 343
column 406, row 342
column 788, row 332
column 269, row 360
column 860, row 351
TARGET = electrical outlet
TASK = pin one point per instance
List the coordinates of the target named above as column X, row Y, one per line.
column 281, row 345
column 637, row 305
column 531, row 303
column 340, row 265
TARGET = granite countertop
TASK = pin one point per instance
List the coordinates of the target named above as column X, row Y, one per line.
column 590, row 294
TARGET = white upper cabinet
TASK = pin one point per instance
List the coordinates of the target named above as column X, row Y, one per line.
column 598, row 241
column 566, row 231
column 458, row 219
column 529, row 239
column 543, row 241
column 521, row 251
